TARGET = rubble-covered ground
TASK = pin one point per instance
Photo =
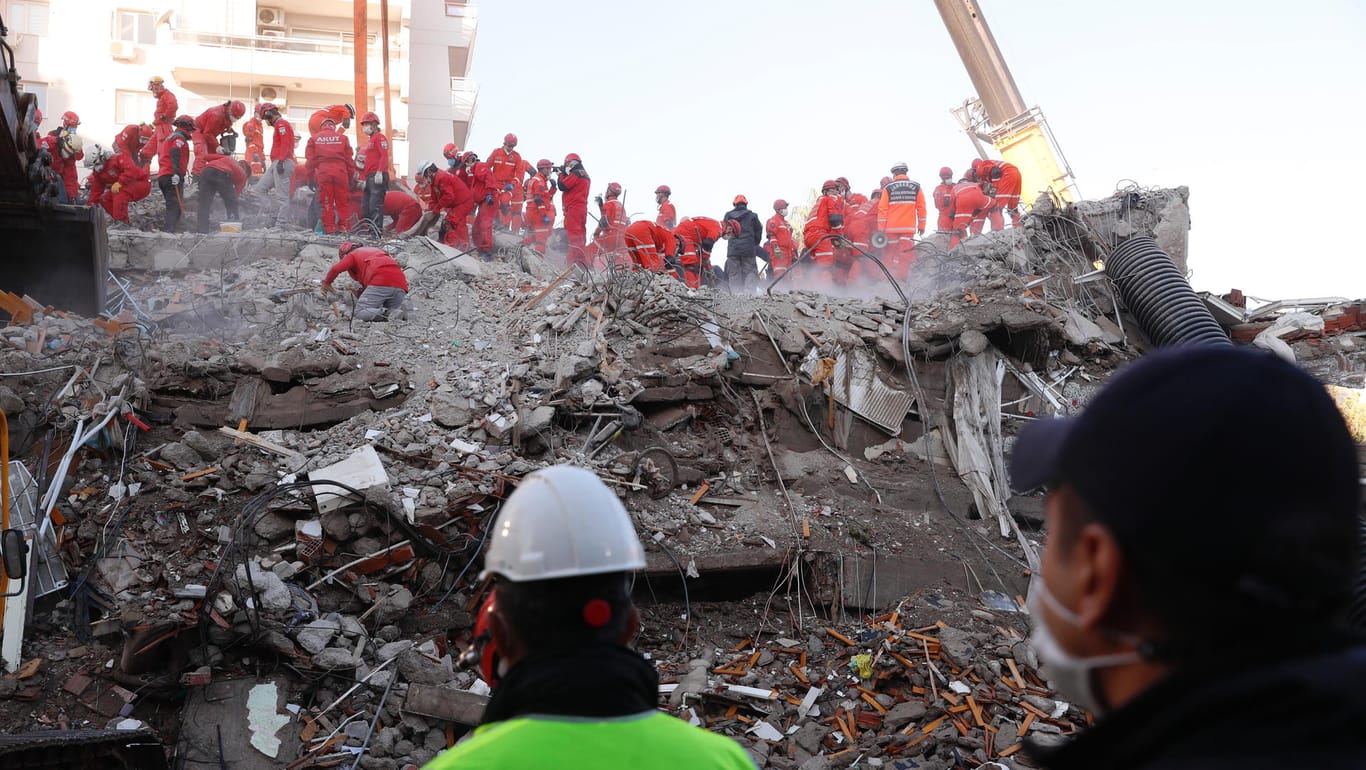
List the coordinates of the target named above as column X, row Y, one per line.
column 279, row 533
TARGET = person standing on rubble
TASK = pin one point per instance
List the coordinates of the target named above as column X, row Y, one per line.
column 1191, row 596
column 540, row 206
column 573, row 181
column 164, row 114
column 568, row 690
column 826, row 219
column 208, row 127
column 276, row 181
column 509, row 171
column 173, row 160
column 224, row 177
column 742, row 273
column 782, row 247
column 611, row 230
column 329, row 159
column 668, row 215
column 943, row 200
column 901, row 216
column 479, row 178
column 376, row 171
column 382, row 287
column 65, row 147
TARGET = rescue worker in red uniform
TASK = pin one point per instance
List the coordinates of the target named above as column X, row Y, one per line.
column 781, row 246
column 943, row 195
column 860, row 222
column 341, row 115
column 277, row 181
column 668, row 215
column 211, row 124
column 697, row 237
column 612, row 222
column 826, row 219
column 540, row 206
column 509, row 171
column 452, row 198
column 573, row 181
column 132, row 141
column 901, row 216
column 256, row 148
column 970, row 205
column 376, row 170
column 452, row 154
column 64, row 145
column 115, row 181
column 649, row 245
column 173, row 162
column 225, row 178
column 165, row 112
column 382, row 286
column 480, row 179
column 1005, row 188
column 403, row 209
column 328, row 156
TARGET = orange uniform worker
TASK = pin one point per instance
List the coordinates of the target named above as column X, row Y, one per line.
column 781, row 246
column 341, row 115
column 901, row 215
column 1005, row 182
column 668, row 215
column 612, row 223
column 115, row 181
column 649, row 245
column 165, row 112
column 509, row 171
column 328, row 157
column 970, row 205
column 212, row 123
column 698, row 235
column 943, row 195
column 540, row 206
column 826, row 219
column 256, row 147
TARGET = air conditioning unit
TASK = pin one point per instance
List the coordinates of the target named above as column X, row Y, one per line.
column 276, row 94
column 270, row 17
column 123, row 50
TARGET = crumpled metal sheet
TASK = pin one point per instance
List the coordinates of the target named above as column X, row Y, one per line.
column 857, row 386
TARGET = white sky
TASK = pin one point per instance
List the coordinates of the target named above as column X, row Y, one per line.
column 1253, row 105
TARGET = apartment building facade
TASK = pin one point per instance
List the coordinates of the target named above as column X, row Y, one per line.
column 96, row 56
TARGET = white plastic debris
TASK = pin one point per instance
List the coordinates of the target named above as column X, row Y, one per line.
column 765, row 731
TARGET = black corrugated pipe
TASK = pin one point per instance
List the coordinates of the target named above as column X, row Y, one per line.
column 1160, row 298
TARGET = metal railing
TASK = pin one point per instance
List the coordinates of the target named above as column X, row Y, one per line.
column 461, row 9
column 271, row 43
column 464, row 94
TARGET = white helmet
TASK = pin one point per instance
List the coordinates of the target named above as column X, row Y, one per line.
column 97, row 156
column 70, row 144
column 424, row 167
column 562, row 522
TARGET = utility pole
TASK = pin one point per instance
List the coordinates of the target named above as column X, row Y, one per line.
column 360, row 49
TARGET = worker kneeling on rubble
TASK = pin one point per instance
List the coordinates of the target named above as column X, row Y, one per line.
column 568, row 691
column 1192, row 594
column 383, row 288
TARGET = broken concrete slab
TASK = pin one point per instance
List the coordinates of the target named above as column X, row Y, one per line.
column 361, row 471
column 446, row 703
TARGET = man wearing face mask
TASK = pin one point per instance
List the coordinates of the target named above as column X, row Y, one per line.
column 1192, row 595
column 376, row 171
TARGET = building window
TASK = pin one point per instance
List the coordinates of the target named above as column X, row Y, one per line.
column 39, row 91
column 135, row 27
column 27, row 18
column 133, row 107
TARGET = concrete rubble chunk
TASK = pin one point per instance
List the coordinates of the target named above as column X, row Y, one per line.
column 181, row 456
column 314, row 637
column 333, row 659
column 417, row 668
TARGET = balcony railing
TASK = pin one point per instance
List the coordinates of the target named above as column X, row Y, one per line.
column 464, row 94
column 273, row 43
column 465, row 10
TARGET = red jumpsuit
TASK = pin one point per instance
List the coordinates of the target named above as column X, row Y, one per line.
column 132, row 181
column 970, row 206
column 62, row 166
column 901, row 215
column 207, row 127
column 451, row 195
column 129, row 142
column 403, row 209
column 482, row 187
column 611, row 231
column 368, row 266
column 782, row 247
column 337, row 112
column 827, row 218
column 942, row 201
column 668, row 216
column 256, row 148
column 1007, row 194
column 164, row 113
column 698, row 234
column 281, row 140
column 649, row 245
column 540, row 211
column 509, row 168
column 574, row 185
column 330, row 162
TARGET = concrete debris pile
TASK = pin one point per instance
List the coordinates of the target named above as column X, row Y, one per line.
column 288, row 515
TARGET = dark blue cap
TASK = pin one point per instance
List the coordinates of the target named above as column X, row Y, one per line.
column 1221, row 471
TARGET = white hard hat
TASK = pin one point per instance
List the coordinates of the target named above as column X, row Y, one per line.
column 562, row 522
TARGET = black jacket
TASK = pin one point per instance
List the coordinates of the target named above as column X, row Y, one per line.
column 1307, row 712
column 746, row 244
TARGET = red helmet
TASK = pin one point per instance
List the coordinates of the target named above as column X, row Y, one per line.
column 977, row 163
column 544, row 163
column 70, row 119
column 779, row 204
column 830, row 184
column 613, row 189
column 886, row 180
column 369, row 117
column 572, row 157
column 483, row 652
column 146, row 132
column 350, row 111
column 510, row 140
column 740, row 199
column 184, row 121
column 842, row 182
column 663, row 189
column 328, row 121
column 970, row 175
column 37, row 116
column 946, row 173
column 730, row 228
column 236, row 109
column 470, row 157
column 450, row 151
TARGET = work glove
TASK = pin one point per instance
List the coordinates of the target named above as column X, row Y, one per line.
column 920, row 231
column 598, row 200
column 115, row 187
column 177, row 180
column 377, row 178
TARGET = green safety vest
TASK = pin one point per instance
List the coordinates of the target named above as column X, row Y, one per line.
column 649, row 741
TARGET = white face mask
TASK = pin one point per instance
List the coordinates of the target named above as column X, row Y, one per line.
column 1069, row 674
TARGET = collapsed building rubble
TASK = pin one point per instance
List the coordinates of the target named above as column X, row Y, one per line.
column 273, row 527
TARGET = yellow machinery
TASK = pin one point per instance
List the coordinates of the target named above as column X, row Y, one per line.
column 998, row 115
